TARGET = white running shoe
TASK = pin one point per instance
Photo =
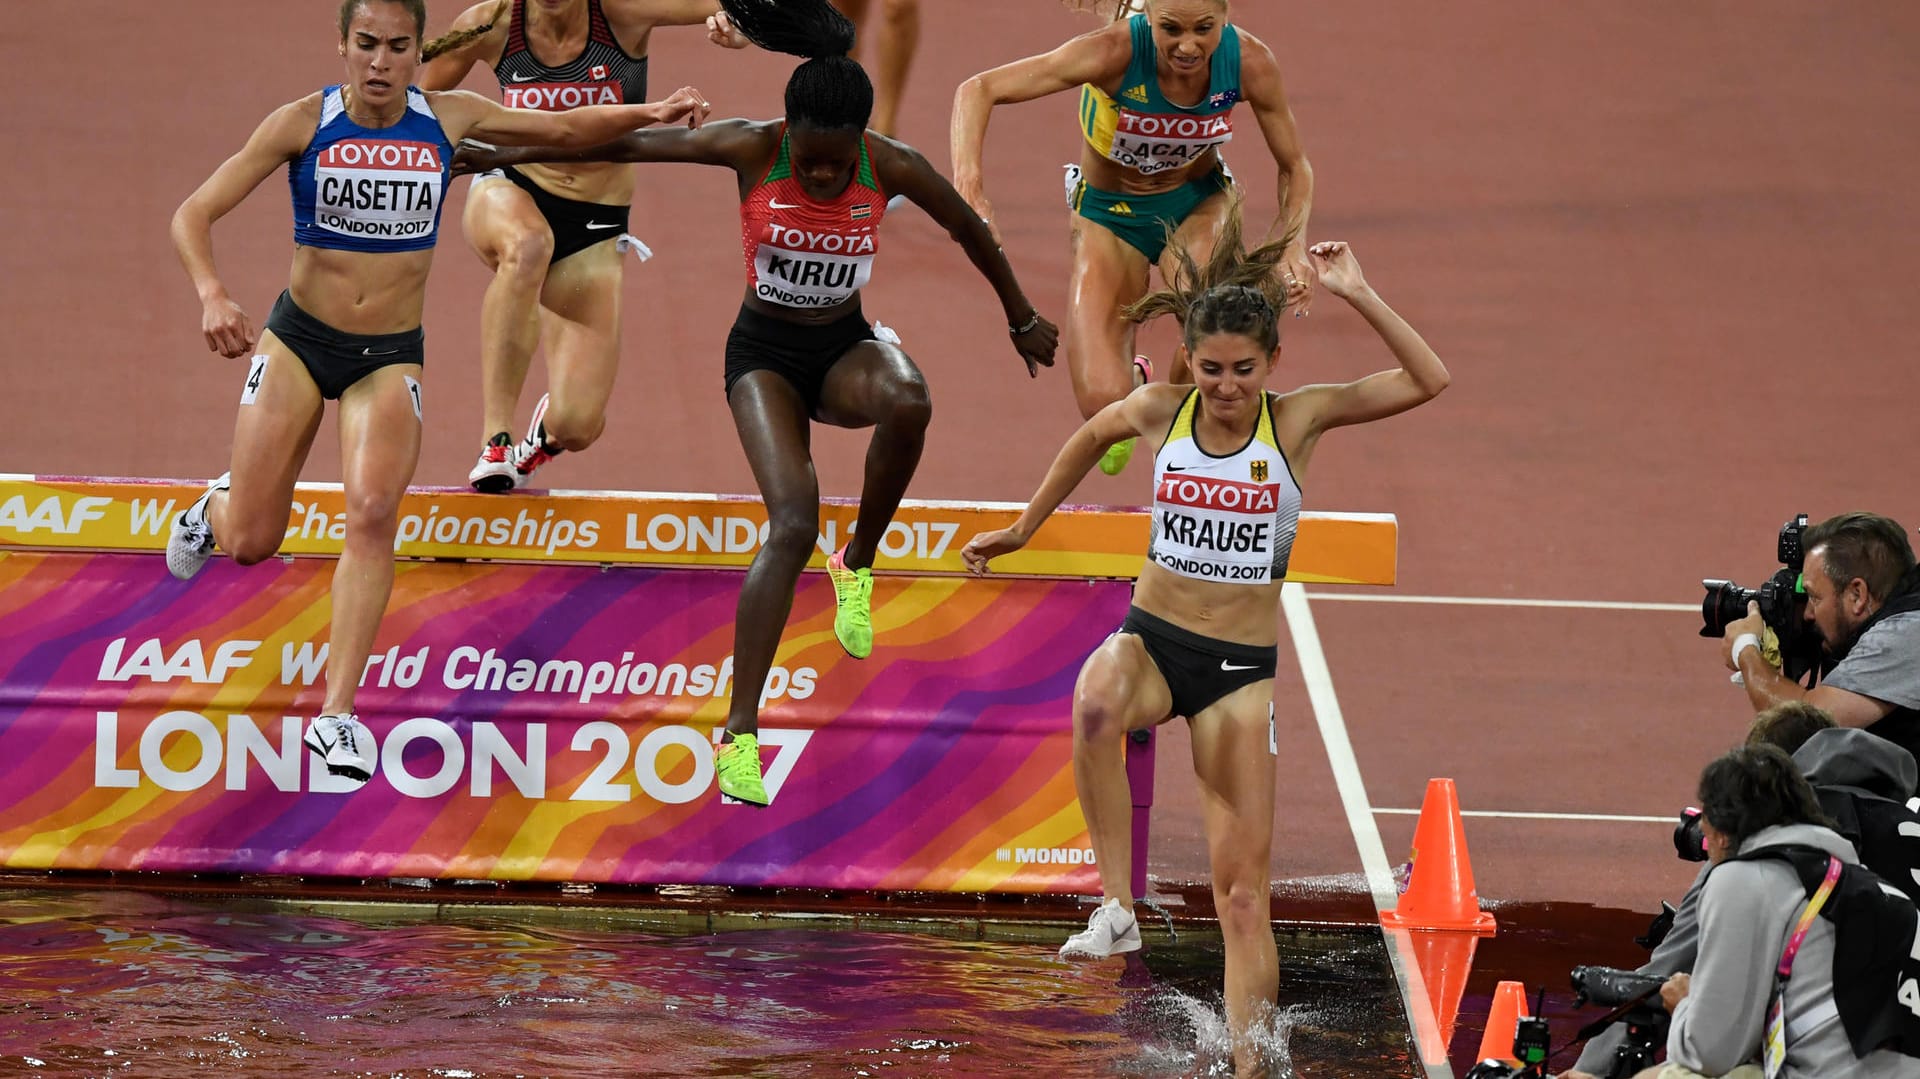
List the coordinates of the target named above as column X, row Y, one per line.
column 493, row 473
column 1111, row 930
column 532, row 451
column 344, row 743
column 190, row 542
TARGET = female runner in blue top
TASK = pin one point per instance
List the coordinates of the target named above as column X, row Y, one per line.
column 368, row 162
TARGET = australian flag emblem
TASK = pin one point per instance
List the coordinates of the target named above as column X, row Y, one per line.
column 1222, row 99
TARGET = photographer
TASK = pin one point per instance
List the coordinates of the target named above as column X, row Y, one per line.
column 1764, row 829
column 1863, row 597
column 1788, row 727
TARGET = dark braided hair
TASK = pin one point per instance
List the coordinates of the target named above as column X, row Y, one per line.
column 829, row 91
column 1755, row 787
column 451, row 41
column 415, row 8
column 1237, row 291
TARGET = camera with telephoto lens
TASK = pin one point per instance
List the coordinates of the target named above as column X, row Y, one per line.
column 1635, row 1000
column 1783, row 604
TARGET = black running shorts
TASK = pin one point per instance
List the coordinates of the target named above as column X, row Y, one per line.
column 576, row 225
column 335, row 359
column 1199, row 670
column 796, row 351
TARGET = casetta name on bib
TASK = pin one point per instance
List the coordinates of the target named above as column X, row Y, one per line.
column 378, row 187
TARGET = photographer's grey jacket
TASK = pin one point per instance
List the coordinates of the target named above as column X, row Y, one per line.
column 1747, row 910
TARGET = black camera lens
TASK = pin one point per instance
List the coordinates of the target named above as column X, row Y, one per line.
column 1688, row 840
column 1724, row 604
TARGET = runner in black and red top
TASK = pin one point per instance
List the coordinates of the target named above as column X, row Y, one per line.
column 553, row 236
column 813, row 188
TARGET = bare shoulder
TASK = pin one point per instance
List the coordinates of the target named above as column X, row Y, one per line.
column 290, row 127
column 1259, row 69
column 1153, row 406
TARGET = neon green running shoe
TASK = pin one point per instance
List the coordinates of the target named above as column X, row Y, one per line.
column 853, row 605
column 1114, row 461
column 738, row 766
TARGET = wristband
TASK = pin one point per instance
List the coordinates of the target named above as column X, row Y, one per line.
column 1028, row 328
column 1741, row 644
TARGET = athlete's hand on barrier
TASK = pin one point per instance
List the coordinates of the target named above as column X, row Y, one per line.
column 227, row 329
column 1037, row 345
column 473, row 156
column 990, row 545
column 1335, row 266
column 686, row 104
column 722, row 32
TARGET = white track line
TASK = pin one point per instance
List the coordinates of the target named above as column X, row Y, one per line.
column 1366, row 832
column 1608, row 817
column 1494, row 601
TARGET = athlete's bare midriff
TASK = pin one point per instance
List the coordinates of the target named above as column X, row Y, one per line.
column 1109, row 175
column 1237, row 613
column 604, row 183
column 362, row 292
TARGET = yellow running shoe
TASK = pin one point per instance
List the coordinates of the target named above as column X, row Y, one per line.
column 1114, row 461
column 738, row 766
column 853, row 605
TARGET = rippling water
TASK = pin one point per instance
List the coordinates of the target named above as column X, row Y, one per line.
column 136, row 984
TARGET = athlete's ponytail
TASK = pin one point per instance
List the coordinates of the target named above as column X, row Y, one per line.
column 448, row 42
column 1236, row 291
column 830, row 90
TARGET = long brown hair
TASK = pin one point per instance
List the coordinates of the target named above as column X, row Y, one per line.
column 1235, row 291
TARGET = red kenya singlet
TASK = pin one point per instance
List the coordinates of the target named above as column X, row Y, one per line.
column 804, row 253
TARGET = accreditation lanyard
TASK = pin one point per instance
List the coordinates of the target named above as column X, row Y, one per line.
column 1774, row 1056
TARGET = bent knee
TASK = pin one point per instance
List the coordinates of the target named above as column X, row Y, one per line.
column 1101, row 712
column 793, row 530
column 1242, row 903
column 375, row 513
column 909, row 404
column 522, row 253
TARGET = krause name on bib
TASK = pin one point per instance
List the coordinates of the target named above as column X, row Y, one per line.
column 387, row 189
column 1152, row 143
column 804, row 268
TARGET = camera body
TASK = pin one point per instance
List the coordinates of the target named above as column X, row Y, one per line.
column 1783, row 602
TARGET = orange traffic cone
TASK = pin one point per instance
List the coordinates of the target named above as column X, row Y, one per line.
column 1440, row 894
column 1509, row 1007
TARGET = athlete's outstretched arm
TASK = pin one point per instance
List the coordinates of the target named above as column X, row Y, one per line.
column 1097, row 57
column 1420, row 377
column 477, row 33
column 464, row 114
column 902, row 170
column 1267, row 96
column 1145, row 411
column 737, row 144
column 280, row 138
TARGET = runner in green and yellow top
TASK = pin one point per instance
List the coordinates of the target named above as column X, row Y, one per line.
column 813, row 189
column 1158, row 88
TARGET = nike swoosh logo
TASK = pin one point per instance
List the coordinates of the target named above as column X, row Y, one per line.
column 597, row 225
column 519, row 78
column 371, row 352
column 776, row 204
column 1177, row 468
column 1225, row 666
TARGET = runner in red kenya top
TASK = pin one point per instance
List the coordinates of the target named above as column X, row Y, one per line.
column 813, row 189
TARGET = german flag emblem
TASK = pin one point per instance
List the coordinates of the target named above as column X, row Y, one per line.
column 1259, row 470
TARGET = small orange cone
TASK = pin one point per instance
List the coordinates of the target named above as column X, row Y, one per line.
column 1440, row 894
column 1509, row 1007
